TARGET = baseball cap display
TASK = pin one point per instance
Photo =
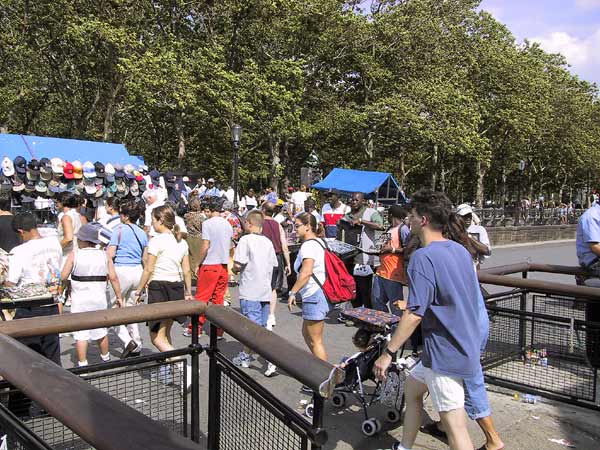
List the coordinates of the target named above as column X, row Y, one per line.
column 57, row 165
column 77, row 170
column 134, row 189
column 109, row 172
column 34, row 167
column 45, row 166
column 45, row 169
column 5, row 185
column 99, row 168
column 18, row 185
column 8, row 168
column 88, row 170
column 69, row 171
column 41, row 187
column 128, row 169
column 29, row 186
column 19, row 164
column 54, row 186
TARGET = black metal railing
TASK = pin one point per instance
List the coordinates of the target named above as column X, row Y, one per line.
column 542, row 342
column 513, row 216
column 95, row 400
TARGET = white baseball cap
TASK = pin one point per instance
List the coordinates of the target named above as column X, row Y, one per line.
column 8, row 168
column 464, row 209
column 58, row 165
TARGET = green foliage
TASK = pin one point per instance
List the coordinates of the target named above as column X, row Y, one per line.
column 434, row 92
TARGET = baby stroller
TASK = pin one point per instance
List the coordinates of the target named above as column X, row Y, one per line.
column 359, row 369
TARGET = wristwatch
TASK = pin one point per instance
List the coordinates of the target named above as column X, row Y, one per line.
column 391, row 353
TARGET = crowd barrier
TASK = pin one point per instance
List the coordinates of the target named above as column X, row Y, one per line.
column 542, row 340
column 142, row 403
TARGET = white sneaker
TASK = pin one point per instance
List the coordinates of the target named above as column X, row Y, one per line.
column 271, row 370
column 271, row 322
column 242, row 360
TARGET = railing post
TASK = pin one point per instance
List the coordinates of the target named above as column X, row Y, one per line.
column 522, row 320
column 318, row 406
column 195, row 409
column 214, row 393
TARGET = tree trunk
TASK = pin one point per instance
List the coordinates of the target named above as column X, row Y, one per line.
column 369, row 148
column 284, row 158
column 110, row 110
column 180, row 139
column 503, row 195
column 481, row 169
column 434, row 166
column 402, row 168
column 274, row 176
column 442, row 175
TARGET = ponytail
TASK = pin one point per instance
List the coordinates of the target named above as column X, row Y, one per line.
column 177, row 232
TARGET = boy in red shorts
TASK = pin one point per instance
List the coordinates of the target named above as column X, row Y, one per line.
column 213, row 258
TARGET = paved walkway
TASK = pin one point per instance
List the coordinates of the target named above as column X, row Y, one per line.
column 522, row 426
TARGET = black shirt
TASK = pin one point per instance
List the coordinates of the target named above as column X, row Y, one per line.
column 8, row 237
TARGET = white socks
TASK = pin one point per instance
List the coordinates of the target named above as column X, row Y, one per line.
column 82, row 363
column 106, row 357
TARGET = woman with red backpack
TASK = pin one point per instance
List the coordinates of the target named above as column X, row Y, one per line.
column 310, row 267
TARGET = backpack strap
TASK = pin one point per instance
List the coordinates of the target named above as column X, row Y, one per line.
column 324, row 246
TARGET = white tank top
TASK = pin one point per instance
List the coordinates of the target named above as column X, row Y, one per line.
column 88, row 280
column 76, row 220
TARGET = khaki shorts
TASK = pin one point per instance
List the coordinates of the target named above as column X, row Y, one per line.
column 446, row 392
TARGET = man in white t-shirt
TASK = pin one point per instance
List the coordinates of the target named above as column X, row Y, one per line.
column 255, row 260
column 36, row 261
column 298, row 199
column 213, row 258
column 476, row 232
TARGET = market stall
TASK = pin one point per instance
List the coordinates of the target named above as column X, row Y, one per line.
column 377, row 186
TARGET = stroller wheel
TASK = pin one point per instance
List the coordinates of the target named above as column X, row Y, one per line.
column 338, row 400
column 393, row 416
column 309, row 410
column 370, row 427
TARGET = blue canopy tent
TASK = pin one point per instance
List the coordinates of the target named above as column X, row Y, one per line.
column 379, row 186
column 30, row 147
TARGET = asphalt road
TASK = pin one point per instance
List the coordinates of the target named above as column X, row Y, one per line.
column 526, row 427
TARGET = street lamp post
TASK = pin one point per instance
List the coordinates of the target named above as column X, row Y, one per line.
column 236, row 136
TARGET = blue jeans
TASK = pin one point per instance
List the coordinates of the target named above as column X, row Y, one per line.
column 257, row 312
column 386, row 291
column 477, row 404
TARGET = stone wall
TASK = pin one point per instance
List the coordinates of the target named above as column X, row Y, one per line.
column 525, row 234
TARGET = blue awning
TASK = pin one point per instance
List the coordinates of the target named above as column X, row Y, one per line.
column 30, row 147
column 348, row 181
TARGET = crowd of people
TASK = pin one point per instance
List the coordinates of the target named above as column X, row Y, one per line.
column 153, row 247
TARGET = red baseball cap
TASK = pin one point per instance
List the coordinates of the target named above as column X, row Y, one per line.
column 68, row 171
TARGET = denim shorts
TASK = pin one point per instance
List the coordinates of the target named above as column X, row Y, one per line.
column 477, row 404
column 257, row 312
column 315, row 307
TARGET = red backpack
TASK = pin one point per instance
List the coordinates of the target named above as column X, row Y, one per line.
column 339, row 285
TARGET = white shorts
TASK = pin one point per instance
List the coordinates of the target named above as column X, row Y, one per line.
column 446, row 392
column 86, row 335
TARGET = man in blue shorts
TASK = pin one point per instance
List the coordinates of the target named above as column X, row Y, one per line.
column 444, row 297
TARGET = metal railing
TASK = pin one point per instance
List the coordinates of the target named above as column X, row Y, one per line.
column 541, row 339
column 514, row 216
column 119, row 404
